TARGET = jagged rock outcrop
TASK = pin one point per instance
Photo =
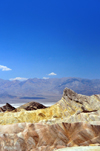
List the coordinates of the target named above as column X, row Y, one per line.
column 87, row 103
column 72, row 107
column 40, row 137
column 75, row 104
column 7, row 107
column 72, row 121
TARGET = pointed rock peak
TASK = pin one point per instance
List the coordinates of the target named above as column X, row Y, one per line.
column 69, row 93
column 7, row 107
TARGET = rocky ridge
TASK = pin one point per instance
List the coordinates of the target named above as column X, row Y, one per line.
column 72, row 121
column 72, row 107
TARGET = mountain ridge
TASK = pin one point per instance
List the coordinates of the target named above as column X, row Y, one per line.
column 47, row 89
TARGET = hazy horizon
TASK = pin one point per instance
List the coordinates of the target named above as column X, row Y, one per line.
column 22, row 79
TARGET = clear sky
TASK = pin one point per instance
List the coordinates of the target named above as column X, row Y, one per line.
column 49, row 38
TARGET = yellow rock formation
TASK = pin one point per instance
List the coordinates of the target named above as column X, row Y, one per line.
column 72, row 107
column 31, row 116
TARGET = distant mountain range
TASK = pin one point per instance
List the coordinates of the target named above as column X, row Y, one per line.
column 45, row 89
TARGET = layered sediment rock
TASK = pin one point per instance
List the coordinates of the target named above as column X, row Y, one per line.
column 72, row 121
column 39, row 137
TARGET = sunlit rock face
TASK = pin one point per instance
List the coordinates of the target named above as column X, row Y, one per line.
column 73, row 103
column 72, row 107
column 71, row 122
column 34, row 137
column 85, row 103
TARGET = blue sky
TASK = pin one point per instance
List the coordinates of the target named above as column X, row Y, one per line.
column 49, row 38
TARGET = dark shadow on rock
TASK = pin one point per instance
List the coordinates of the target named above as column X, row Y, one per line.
column 7, row 107
column 32, row 106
